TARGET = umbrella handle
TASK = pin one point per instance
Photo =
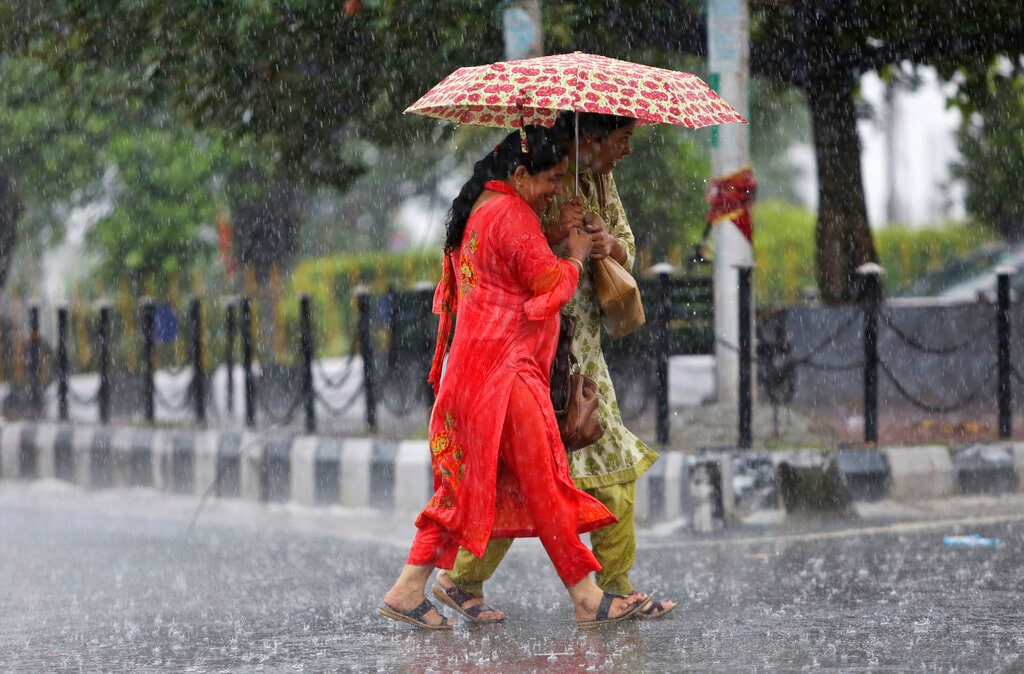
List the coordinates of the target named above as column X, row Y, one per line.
column 576, row 182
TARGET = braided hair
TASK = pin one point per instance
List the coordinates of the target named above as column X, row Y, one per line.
column 544, row 152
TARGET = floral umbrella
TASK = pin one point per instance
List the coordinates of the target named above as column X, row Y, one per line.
column 512, row 94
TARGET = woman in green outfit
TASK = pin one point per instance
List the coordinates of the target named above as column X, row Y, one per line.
column 608, row 469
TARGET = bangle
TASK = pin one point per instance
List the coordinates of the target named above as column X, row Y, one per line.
column 578, row 263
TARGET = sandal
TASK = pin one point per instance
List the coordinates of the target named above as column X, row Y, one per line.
column 602, row 611
column 655, row 610
column 455, row 597
column 415, row 616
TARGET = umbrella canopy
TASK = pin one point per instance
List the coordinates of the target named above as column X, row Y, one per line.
column 512, row 94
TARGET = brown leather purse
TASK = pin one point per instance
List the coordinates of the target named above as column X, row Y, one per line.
column 573, row 394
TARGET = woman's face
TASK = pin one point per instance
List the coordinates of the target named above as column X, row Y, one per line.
column 605, row 152
column 540, row 190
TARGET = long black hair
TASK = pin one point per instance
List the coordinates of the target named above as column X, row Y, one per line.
column 543, row 152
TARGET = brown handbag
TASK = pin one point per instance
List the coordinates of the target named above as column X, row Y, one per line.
column 619, row 296
column 574, row 395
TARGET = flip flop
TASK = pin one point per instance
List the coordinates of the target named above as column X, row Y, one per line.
column 654, row 610
column 455, row 597
column 602, row 611
column 415, row 616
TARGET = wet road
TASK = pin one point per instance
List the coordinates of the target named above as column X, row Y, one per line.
column 117, row 581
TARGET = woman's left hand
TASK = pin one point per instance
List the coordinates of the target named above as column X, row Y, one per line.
column 605, row 244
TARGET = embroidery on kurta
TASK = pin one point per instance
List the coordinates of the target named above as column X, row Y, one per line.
column 466, row 266
column 447, row 464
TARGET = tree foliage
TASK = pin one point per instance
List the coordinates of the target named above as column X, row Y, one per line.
column 318, row 83
column 992, row 149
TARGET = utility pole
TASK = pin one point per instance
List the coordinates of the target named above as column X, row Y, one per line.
column 729, row 65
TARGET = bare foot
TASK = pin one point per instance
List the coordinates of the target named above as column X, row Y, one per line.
column 466, row 603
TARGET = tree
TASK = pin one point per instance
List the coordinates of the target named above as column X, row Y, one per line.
column 820, row 47
column 319, row 83
column 992, row 149
column 165, row 194
column 47, row 155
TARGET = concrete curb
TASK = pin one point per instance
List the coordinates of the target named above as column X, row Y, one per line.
column 396, row 476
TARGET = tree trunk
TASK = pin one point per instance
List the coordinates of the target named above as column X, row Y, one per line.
column 843, row 240
column 10, row 214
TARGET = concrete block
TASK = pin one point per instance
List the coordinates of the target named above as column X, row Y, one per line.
column 1017, row 453
column 10, row 448
column 46, row 441
column 135, row 447
column 985, row 469
column 81, row 453
column 382, row 475
column 649, row 505
column 277, row 469
column 414, row 478
column 704, row 494
column 64, row 453
column 28, row 452
column 327, row 470
column 252, row 467
column 102, row 459
column 810, row 481
column 866, row 472
column 229, row 464
column 675, row 483
column 920, row 472
column 161, row 460
column 356, row 458
column 303, row 469
column 205, row 462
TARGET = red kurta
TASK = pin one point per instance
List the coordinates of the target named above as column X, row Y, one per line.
column 507, row 288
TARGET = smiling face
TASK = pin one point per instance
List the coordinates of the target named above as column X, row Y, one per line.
column 540, row 190
column 601, row 154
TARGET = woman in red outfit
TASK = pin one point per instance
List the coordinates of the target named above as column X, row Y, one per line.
column 499, row 465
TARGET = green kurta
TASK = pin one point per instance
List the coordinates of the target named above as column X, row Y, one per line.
column 619, row 457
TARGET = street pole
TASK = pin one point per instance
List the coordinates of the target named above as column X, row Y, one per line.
column 729, row 66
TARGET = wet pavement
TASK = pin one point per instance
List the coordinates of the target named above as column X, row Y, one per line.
column 120, row 580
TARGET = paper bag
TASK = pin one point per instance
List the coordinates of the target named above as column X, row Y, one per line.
column 619, row 297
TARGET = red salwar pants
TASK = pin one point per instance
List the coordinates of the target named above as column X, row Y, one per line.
column 553, row 509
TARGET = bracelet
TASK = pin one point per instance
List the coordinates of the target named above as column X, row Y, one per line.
column 578, row 263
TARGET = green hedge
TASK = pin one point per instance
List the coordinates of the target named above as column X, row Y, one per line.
column 783, row 252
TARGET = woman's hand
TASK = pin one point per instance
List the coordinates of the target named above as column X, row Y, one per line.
column 579, row 244
column 604, row 243
column 569, row 217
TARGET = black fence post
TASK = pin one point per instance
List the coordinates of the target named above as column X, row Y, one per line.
column 195, row 320
column 230, row 330
column 871, row 300
column 34, row 363
column 250, row 382
column 148, row 354
column 746, row 379
column 363, row 297
column 62, row 363
column 1005, row 392
column 425, row 301
column 306, row 344
column 663, row 311
column 103, row 335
